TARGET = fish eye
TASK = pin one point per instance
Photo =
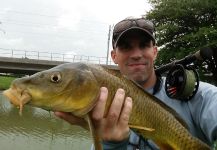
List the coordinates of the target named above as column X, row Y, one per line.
column 55, row 78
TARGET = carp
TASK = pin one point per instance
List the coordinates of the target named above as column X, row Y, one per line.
column 74, row 88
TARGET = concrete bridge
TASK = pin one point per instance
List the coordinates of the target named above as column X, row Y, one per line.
column 30, row 62
column 29, row 66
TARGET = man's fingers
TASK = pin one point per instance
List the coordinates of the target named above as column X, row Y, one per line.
column 125, row 114
column 99, row 109
column 116, row 107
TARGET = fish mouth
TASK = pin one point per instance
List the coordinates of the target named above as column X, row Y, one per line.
column 17, row 98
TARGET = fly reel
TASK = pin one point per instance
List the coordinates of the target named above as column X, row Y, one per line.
column 181, row 83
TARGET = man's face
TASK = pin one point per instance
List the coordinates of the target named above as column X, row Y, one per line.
column 135, row 55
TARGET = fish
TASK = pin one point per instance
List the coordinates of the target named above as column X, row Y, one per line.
column 75, row 87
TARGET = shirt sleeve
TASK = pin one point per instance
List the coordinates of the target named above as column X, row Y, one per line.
column 110, row 145
column 204, row 110
column 133, row 142
column 115, row 145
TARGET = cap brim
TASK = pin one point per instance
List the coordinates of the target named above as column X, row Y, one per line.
column 134, row 28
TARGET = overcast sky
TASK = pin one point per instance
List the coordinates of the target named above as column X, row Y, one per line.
column 64, row 26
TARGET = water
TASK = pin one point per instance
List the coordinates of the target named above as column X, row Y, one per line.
column 38, row 129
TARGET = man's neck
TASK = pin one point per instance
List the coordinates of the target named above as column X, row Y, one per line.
column 150, row 82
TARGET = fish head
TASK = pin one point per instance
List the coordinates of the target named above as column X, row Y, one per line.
column 69, row 88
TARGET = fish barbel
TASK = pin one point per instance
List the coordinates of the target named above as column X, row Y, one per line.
column 74, row 87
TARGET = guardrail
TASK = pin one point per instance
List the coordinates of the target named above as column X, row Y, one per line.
column 14, row 53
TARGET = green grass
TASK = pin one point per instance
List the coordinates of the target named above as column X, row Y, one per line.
column 5, row 82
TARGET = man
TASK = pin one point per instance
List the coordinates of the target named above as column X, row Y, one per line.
column 134, row 51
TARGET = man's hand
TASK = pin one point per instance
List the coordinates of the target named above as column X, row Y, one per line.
column 114, row 126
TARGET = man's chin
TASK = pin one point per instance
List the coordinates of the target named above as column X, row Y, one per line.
column 139, row 79
column 141, row 82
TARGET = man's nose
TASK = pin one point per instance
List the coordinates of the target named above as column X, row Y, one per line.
column 136, row 53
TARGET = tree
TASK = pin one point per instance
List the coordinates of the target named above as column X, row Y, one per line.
column 183, row 26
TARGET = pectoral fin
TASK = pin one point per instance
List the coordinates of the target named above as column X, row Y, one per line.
column 94, row 134
column 141, row 128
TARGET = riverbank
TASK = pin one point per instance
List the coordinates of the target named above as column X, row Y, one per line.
column 5, row 82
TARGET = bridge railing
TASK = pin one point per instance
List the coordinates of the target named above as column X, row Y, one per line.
column 14, row 53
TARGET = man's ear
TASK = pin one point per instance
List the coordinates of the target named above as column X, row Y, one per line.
column 113, row 55
column 155, row 52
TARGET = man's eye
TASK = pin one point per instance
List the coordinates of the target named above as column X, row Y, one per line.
column 144, row 45
column 125, row 47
